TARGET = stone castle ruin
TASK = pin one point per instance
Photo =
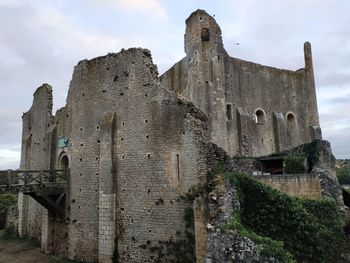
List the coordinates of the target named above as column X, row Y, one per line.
column 130, row 143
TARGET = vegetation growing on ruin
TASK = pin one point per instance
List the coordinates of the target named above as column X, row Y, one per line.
column 294, row 164
column 343, row 172
column 286, row 227
column 7, row 201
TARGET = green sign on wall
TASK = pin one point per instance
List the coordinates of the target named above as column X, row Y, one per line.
column 62, row 142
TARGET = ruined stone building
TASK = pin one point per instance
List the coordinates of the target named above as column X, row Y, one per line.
column 134, row 143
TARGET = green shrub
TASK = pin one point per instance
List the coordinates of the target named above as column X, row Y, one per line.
column 343, row 175
column 6, row 201
column 268, row 246
column 294, row 164
column 309, row 229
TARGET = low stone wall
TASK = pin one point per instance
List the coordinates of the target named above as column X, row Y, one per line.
column 12, row 219
column 298, row 185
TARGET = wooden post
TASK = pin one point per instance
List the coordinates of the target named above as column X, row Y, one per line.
column 41, row 178
column 25, row 178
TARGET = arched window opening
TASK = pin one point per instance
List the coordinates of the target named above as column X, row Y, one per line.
column 259, row 117
column 290, row 119
column 205, row 34
column 64, row 163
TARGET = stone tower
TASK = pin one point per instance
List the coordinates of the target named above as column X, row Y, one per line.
column 253, row 109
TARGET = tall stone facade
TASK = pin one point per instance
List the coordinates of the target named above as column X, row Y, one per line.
column 132, row 148
column 135, row 144
column 253, row 109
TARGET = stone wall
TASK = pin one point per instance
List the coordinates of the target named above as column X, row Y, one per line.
column 34, row 156
column 133, row 148
column 298, row 185
column 12, row 219
column 222, row 201
column 253, row 109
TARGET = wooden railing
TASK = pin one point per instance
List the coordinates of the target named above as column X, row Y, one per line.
column 29, row 180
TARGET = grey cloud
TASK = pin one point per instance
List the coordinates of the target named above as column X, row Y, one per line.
column 334, row 78
column 270, row 33
column 339, row 100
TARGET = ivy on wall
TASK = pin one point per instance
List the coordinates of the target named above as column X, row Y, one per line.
column 287, row 227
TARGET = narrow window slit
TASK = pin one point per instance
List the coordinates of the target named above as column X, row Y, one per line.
column 178, row 166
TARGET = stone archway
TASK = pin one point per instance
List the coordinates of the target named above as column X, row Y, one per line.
column 63, row 162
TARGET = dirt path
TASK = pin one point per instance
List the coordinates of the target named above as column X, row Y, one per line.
column 15, row 250
column 19, row 251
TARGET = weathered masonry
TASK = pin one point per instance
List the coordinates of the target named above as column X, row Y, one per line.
column 253, row 109
column 131, row 146
column 134, row 143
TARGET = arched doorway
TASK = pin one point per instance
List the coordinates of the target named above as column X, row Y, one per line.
column 64, row 162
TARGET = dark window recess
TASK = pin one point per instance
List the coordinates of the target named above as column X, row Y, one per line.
column 178, row 166
column 290, row 119
column 64, row 162
column 272, row 166
column 205, row 34
column 229, row 111
column 259, row 117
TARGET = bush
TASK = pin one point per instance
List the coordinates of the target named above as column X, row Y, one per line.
column 294, row 164
column 268, row 246
column 6, row 201
column 310, row 230
column 343, row 175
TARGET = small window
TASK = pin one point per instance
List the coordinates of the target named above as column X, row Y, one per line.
column 205, row 35
column 290, row 119
column 259, row 117
column 178, row 166
column 229, row 112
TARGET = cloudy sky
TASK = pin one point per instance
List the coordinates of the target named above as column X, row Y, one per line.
column 42, row 40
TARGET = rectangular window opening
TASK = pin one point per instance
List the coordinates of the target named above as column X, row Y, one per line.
column 229, row 111
column 178, row 166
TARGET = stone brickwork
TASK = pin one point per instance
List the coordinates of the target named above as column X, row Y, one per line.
column 200, row 228
column 35, row 157
column 133, row 149
column 253, row 109
column 134, row 144
column 298, row 185
column 12, row 219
